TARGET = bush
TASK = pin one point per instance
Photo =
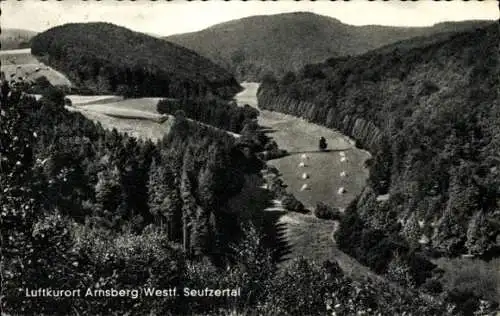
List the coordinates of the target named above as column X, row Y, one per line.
column 466, row 302
column 67, row 102
column 324, row 211
column 292, row 204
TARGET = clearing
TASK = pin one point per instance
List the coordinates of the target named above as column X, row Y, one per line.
column 21, row 63
column 136, row 117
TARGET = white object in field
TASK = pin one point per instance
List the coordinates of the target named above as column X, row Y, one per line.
column 304, row 157
column 421, row 223
column 341, row 190
column 305, row 176
column 383, row 197
column 302, row 164
column 342, row 154
column 305, row 186
column 343, row 159
column 343, row 174
column 264, row 186
column 423, row 240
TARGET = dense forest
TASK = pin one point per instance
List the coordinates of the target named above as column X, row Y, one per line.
column 215, row 112
column 84, row 207
column 429, row 113
column 103, row 58
column 252, row 46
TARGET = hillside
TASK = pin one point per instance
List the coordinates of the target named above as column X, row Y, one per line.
column 21, row 65
column 108, row 59
column 250, row 47
column 15, row 38
column 428, row 112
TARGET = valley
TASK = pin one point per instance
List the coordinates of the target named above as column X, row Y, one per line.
column 318, row 167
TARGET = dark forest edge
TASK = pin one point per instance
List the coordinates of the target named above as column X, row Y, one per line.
column 428, row 113
column 87, row 207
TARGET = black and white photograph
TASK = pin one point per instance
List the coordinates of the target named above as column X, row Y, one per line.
column 250, row 158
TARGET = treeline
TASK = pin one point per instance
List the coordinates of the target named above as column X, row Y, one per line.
column 107, row 59
column 83, row 207
column 216, row 112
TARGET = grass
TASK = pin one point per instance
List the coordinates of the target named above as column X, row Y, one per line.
column 144, row 105
column 138, row 124
column 122, row 109
column 93, row 99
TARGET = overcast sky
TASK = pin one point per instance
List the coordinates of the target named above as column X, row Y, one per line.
column 179, row 16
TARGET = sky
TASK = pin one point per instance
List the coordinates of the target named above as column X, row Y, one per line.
column 180, row 16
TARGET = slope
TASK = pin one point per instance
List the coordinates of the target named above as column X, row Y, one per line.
column 21, row 65
column 108, row 59
column 252, row 46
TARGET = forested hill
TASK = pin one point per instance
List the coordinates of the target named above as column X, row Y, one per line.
column 252, row 46
column 15, row 38
column 105, row 58
column 431, row 116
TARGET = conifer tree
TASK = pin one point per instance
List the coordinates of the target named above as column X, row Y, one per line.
column 108, row 194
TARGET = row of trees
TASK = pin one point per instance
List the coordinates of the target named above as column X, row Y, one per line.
column 213, row 111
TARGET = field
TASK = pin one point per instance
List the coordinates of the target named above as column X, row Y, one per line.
column 20, row 63
column 93, row 99
column 300, row 137
column 135, row 117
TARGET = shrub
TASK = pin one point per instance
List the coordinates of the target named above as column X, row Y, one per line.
column 292, row 204
column 324, row 211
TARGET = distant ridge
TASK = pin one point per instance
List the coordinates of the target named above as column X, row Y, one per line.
column 252, row 46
